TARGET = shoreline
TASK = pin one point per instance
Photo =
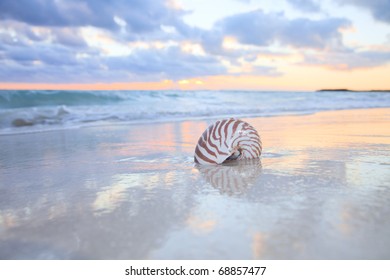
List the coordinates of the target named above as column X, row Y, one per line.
column 23, row 130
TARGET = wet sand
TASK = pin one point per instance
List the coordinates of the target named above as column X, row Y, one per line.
column 320, row 191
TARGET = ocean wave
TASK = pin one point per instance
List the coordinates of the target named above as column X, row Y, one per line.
column 22, row 111
column 34, row 98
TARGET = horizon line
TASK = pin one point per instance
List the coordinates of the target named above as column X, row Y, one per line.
column 164, row 86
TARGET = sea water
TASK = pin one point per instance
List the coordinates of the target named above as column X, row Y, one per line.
column 35, row 110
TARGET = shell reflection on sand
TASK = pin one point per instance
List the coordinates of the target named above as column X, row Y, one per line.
column 235, row 177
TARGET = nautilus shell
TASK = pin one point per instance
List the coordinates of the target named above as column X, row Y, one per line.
column 226, row 140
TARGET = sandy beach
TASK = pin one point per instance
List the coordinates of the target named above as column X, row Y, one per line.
column 321, row 190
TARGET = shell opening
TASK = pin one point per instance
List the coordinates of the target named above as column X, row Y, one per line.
column 235, row 155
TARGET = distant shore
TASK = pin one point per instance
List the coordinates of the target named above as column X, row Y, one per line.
column 349, row 90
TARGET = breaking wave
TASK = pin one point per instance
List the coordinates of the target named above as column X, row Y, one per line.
column 40, row 109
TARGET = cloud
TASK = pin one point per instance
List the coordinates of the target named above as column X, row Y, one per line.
column 42, row 41
column 305, row 5
column 348, row 59
column 319, row 34
column 168, row 63
column 41, row 62
column 139, row 16
column 47, row 44
column 21, row 34
column 380, row 9
column 68, row 37
column 56, row 64
column 263, row 29
column 142, row 40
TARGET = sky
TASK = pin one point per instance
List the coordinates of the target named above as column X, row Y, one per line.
column 195, row 44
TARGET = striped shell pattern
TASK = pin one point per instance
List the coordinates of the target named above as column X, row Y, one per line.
column 228, row 139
